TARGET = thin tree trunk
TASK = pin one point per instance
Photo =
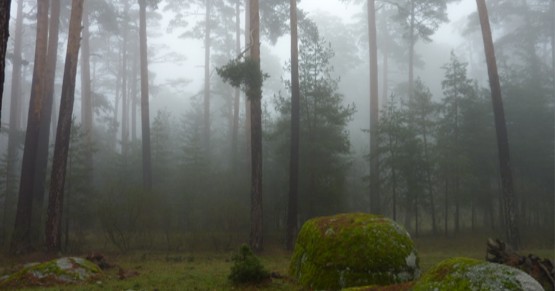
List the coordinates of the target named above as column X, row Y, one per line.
column 61, row 148
column 207, row 41
column 237, row 92
column 145, row 118
column 553, row 43
column 4, row 36
column 46, row 116
column 86, row 91
column 429, row 182
column 385, row 68
column 510, row 213
column 411, row 51
column 292, row 206
column 374, row 110
column 124, row 97
column 134, row 73
column 15, row 124
column 21, row 239
column 446, row 209
column 256, row 233
column 248, row 42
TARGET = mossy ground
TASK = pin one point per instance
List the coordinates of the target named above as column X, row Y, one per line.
column 209, row 270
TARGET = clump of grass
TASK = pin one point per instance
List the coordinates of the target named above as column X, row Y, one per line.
column 246, row 268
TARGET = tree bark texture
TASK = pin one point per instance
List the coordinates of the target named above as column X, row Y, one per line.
column 46, row 115
column 61, row 148
column 412, row 40
column 374, row 110
column 256, row 233
column 21, row 238
column 510, row 211
column 292, row 206
column 248, row 41
column 145, row 115
column 4, row 36
column 15, row 124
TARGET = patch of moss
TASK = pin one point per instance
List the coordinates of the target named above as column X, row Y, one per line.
column 459, row 274
column 353, row 250
column 66, row 270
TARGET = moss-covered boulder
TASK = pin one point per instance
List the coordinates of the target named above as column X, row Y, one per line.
column 68, row 270
column 458, row 274
column 354, row 249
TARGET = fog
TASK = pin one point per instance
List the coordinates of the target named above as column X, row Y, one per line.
column 436, row 150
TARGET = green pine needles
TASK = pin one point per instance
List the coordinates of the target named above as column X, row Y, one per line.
column 246, row 268
column 244, row 74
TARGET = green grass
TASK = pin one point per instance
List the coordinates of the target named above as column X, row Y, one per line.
column 209, row 270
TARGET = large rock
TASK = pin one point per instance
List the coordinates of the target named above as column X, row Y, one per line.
column 68, row 270
column 353, row 250
column 470, row 274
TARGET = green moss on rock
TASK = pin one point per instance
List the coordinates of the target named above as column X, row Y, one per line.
column 459, row 274
column 353, row 249
column 67, row 270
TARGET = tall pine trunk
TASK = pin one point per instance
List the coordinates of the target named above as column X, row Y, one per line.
column 412, row 40
column 124, row 96
column 248, row 42
column 4, row 36
column 46, row 116
column 145, row 117
column 134, row 73
column 510, row 211
column 255, row 96
column 374, row 110
column 61, row 148
column 86, row 91
column 292, row 206
column 14, row 126
column 207, row 41
column 237, row 92
column 21, row 239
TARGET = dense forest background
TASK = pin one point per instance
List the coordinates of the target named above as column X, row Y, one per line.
column 438, row 162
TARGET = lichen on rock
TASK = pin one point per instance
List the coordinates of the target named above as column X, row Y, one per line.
column 353, row 249
column 459, row 274
column 67, row 270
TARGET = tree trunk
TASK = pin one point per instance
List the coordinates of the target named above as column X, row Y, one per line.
column 553, row 43
column 237, row 92
column 134, row 73
column 15, row 124
column 207, row 41
column 61, row 148
column 292, row 206
column 411, row 51
column 248, row 42
column 145, row 118
column 374, row 110
column 86, row 91
column 4, row 36
column 21, row 239
column 446, row 209
column 255, row 96
column 46, row 116
column 510, row 213
column 124, row 97
column 429, row 182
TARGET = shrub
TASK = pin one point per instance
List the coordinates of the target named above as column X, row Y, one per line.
column 247, row 268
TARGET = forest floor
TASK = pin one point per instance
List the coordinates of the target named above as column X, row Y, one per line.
column 209, row 270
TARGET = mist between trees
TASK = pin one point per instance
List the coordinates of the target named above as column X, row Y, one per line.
column 162, row 153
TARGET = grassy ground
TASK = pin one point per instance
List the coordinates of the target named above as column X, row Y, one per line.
column 209, row 270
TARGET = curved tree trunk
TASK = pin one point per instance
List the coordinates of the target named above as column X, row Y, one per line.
column 61, row 148
column 292, row 206
column 46, row 116
column 21, row 239
column 510, row 210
